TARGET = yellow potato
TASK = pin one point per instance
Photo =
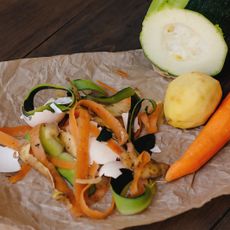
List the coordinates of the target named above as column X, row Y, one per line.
column 190, row 100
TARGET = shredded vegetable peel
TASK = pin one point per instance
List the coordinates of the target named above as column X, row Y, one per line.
column 89, row 147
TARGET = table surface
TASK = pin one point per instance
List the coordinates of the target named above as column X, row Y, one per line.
column 33, row 28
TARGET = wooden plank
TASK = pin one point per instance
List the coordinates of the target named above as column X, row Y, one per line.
column 114, row 25
column 25, row 24
column 197, row 219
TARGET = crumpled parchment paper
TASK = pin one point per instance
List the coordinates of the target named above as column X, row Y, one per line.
column 28, row 204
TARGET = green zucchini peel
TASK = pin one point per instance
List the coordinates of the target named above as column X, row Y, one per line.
column 122, row 94
column 84, row 84
column 28, row 108
column 130, row 206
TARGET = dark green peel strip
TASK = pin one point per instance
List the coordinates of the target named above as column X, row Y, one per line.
column 28, row 104
column 134, row 110
column 82, row 85
column 122, row 94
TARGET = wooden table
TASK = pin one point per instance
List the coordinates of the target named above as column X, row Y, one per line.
column 32, row 28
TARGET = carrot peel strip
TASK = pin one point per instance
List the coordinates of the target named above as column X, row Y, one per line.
column 95, row 214
column 142, row 160
column 36, row 145
column 82, row 162
column 108, row 118
column 9, row 141
column 151, row 121
column 122, row 73
column 25, row 168
column 113, row 145
column 93, row 170
column 154, row 118
column 18, row 131
column 143, row 117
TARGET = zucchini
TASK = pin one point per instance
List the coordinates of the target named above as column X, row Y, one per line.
column 49, row 139
column 218, row 12
column 179, row 40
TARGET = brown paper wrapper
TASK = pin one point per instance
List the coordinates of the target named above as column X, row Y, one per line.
column 28, row 204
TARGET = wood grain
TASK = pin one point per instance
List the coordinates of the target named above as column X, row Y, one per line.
column 223, row 223
column 113, row 26
column 26, row 24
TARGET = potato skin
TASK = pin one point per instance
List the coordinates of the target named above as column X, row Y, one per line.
column 190, row 100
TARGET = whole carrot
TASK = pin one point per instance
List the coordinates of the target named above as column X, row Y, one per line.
column 214, row 135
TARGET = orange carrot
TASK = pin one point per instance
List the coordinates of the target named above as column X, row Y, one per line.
column 154, row 118
column 108, row 119
column 113, row 145
column 142, row 160
column 9, row 141
column 105, row 86
column 73, row 130
column 18, row 131
column 101, row 188
column 214, row 135
column 57, row 162
column 95, row 214
column 143, row 118
column 93, row 170
column 151, row 121
column 94, row 131
column 25, row 168
column 82, row 172
column 82, row 162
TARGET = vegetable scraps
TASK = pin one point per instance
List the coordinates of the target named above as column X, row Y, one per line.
column 61, row 149
column 214, row 135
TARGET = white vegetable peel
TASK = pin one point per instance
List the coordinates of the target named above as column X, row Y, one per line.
column 111, row 169
column 9, row 160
